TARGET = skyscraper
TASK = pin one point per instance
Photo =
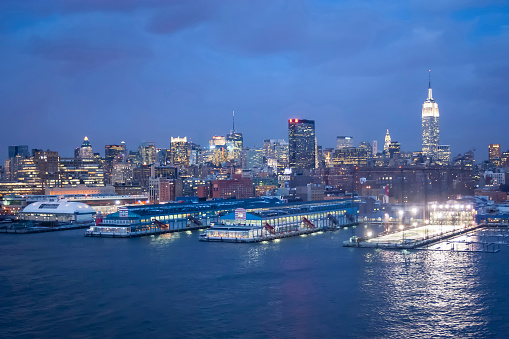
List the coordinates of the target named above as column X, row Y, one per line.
column 180, row 151
column 344, row 141
column 444, row 154
column 302, row 150
column 430, row 126
column 495, row 152
column 234, row 143
column 387, row 143
column 21, row 150
column 114, row 153
column 374, row 148
column 86, row 151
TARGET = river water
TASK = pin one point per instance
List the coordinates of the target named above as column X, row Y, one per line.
column 64, row 285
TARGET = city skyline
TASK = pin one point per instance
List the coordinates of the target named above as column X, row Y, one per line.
column 153, row 70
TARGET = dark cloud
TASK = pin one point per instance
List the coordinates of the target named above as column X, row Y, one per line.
column 147, row 70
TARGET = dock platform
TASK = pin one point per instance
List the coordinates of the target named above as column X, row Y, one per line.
column 411, row 238
column 18, row 228
column 152, row 231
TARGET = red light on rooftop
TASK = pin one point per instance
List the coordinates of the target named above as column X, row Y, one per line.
column 296, row 120
column 290, row 120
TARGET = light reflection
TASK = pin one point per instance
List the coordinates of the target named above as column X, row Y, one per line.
column 424, row 293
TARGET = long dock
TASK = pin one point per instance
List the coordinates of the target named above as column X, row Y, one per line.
column 16, row 228
column 415, row 237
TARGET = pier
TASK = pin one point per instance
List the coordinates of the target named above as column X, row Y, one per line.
column 412, row 238
column 92, row 232
column 27, row 228
column 266, row 224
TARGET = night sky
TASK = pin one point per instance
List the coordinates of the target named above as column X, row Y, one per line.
column 148, row 70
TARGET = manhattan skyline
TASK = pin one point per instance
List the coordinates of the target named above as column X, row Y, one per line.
column 126, row 71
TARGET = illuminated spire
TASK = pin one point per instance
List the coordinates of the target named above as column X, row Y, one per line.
column 86, row 138
column 430, row 96
column 234, row 121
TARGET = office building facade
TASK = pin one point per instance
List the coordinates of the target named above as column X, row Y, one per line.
column 302, row 144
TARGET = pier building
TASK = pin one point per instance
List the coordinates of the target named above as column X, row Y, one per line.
column 282, row 221
column 282, row 216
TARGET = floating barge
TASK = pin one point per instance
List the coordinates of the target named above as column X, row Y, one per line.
column 282, row 222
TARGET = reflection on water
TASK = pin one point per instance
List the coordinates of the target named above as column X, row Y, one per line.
column 62, row 284
column 424, row 292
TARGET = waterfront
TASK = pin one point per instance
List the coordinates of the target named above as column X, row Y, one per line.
column 62, row 284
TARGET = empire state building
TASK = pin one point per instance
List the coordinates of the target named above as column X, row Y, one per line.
column 430, row 126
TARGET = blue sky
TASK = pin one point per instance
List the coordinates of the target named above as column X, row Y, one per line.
column 148, row 70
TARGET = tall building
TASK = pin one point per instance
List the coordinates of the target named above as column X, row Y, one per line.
column 217, row 141
column 234, row 143
column 180, row 151
column 344, row 141
column 394, row 150
column 147, row 153
column 374, row 146
column 430, row 126
column 21, row 150
column 114, row 153
column 301, row 146
column 86, row 151
column 495, row 152
column 444, row 155
column 387, row 143
column 253, row 158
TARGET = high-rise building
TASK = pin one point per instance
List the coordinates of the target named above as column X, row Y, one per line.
column 444, row 154
column 86, row 151
column 344, row 141
column 504, row 159
column 301, row 146
column 430, row 126
column 374, row 146
column 234, row 143
column 147, row 153
column 114, row 153
column 217, row 141
column 394, row 150
column 495, row 152
column 254, row 158
column 387, row 143
column 21, row 150
column 180, row 151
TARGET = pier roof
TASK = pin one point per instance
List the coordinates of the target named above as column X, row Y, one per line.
column 226, row 205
